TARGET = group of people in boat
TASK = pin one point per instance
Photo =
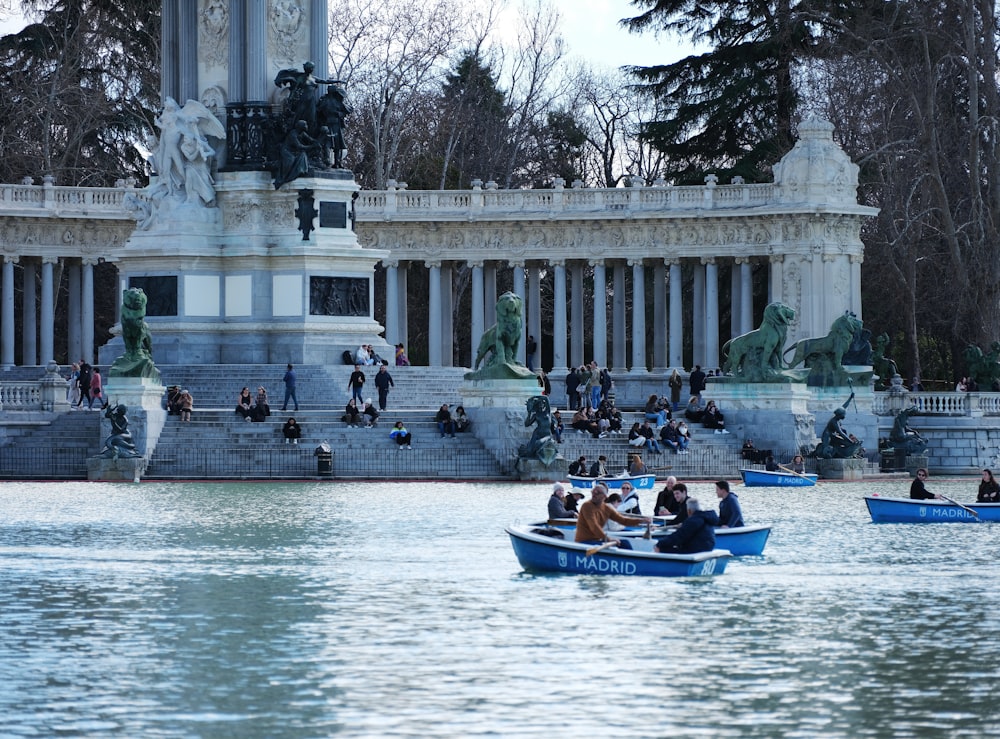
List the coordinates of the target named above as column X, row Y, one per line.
column 989, row 488
column 692, row 527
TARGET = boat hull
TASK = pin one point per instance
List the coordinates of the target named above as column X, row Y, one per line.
column 538, row 553
column 907, row 510
column 639, row 482
column 765, row 479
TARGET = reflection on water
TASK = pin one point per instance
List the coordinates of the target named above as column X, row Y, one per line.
column 256, row 610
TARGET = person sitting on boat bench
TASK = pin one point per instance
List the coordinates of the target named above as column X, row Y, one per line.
column 917, row 489
column 594, row 513
column 557, row 503
column 578, row 468
column 599, row 468
column 770, row 465
column 680, row 495
column 798, row 464
column 696, row 534
column 665, row 503
column 630, row 500
column 730, row 514
column 636, row 466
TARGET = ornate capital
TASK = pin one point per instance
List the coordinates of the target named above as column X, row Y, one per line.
column 50, row 259
column 557, row 263
column 635, row 262
column 390, row 263
column 432, row 263
column 857, row 258
column 597, row 262
column 776, row 258
column 672, row 262
column 516, row 263
column 476, row 263
column 707, row 260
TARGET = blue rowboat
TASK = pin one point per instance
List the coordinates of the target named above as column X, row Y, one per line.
column 539, row 553
column 765, row 479
column 744, row 541
column 908, row 510
column 639, row 482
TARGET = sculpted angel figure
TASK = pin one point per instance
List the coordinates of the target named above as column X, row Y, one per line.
column 183, row 156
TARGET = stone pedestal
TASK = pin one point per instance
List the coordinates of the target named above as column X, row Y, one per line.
column 775, row 415
column 497, row 411
column 841, row 469
column 533, row 469
column 146, row 417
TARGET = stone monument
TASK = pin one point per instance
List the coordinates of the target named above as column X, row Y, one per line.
column 244, row 242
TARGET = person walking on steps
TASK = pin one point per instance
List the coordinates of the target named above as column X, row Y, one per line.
column 383, row 381
column 289, row 380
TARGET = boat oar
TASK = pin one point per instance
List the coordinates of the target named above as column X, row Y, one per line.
column 797, row 474
column 963, row 507
column 649, row 530
column 606, row 545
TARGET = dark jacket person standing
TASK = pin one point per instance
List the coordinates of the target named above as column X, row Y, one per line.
column 383, row 381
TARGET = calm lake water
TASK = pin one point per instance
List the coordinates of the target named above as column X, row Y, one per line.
column 315, row 610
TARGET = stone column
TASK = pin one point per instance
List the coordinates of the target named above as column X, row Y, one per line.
column 638, row 316
column 7, row 313
column 600, row 353
column 404, row 332
column 169, row 52
column 856, row 260
column 816, row 294
column 319, row 41
column 659, row 317
column 534, row 312
column 618, row 327
column 237, row 43
column 559, row 318
column 258, row 82
column 489, row 293
column 29, row 313
column 735, row 317
column 711, row 313
column 87, row 310
column 187, row 22
column 576, row 315
column 478, row 314
column 447, row 317
column 391, row 301
column 434, row 315
column 774, row 285
column 746, row 294
column 698, row 314
column 74, row 342
column 47, row 313
column 519, row 292
column 676, row 317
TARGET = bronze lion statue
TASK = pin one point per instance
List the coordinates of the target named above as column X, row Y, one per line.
column 824, row 355
column 501, row 340
column 756, row 356
column 135, row 330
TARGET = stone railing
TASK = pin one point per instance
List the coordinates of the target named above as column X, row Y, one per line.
column 45, row 394
column 947, row 403
column 398, row 202
column 48, row 199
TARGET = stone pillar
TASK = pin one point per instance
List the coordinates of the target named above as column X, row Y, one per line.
column 391, row 302
column 489, row 293
column 534, row 312
column 87, row 310
column 676, row 318
column 559, row 319
column 519, row 292
column 600, row 353
column 402, row 326
column 816, row 295
column 74, row 342
column 735, row 317
column 447, row 317
column 638, row 316
column 659, row 317
column 434, row 315
column 258, row 82
column 29, row 313
column 576, row 315
column 618, row 329
column 47, row 313
column 856, row 260
column 775, row 293
column 169, row 52
column 711, row 313
column 746, row 294
column 478, row 314
column 237, row 43
column 7, row 313
column 698, row 315
column 319, row 41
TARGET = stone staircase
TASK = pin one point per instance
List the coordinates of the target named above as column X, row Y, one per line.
column 54, row 448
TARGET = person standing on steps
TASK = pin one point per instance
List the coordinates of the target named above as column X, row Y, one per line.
column 530, row 347
column 356, row 384
column 697, row 381
column 289, row 380
column 383, row 381
column 83, row 380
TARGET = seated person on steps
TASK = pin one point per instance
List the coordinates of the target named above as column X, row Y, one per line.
column 401, row 436
column 291, row 431
column 445, row 423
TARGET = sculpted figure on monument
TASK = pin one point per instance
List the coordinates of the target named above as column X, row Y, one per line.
column 119, row 443
column 541, row 445
column 904, row 437
column 983, row 367
column 137, row 361
column 499, row 344
column 183, row 156
column 332, row 109
column 836, row 443
column 294, row 157
column 824, row 355
column 756, row 356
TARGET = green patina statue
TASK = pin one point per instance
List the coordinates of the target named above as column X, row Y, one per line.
column 541, row 445
column 498, row 347
column 982, row 366
column 137, row 361
column 903, row 437
column 756, row 356
column 824, row 355
column 836, row 443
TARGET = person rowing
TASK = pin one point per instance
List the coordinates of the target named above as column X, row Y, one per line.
column 594, row 514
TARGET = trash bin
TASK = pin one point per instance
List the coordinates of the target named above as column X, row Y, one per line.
column 324, row 460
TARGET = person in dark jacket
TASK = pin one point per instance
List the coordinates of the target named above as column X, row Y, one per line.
column 557, row 503
column 697, row 381
column 696, row 534
column 730, row 514
column 383, row 381
column 572, row 389
column 989, row 489
column 917, row 489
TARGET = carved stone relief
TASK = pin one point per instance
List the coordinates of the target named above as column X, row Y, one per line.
column 286, row 19
column 213, row 31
